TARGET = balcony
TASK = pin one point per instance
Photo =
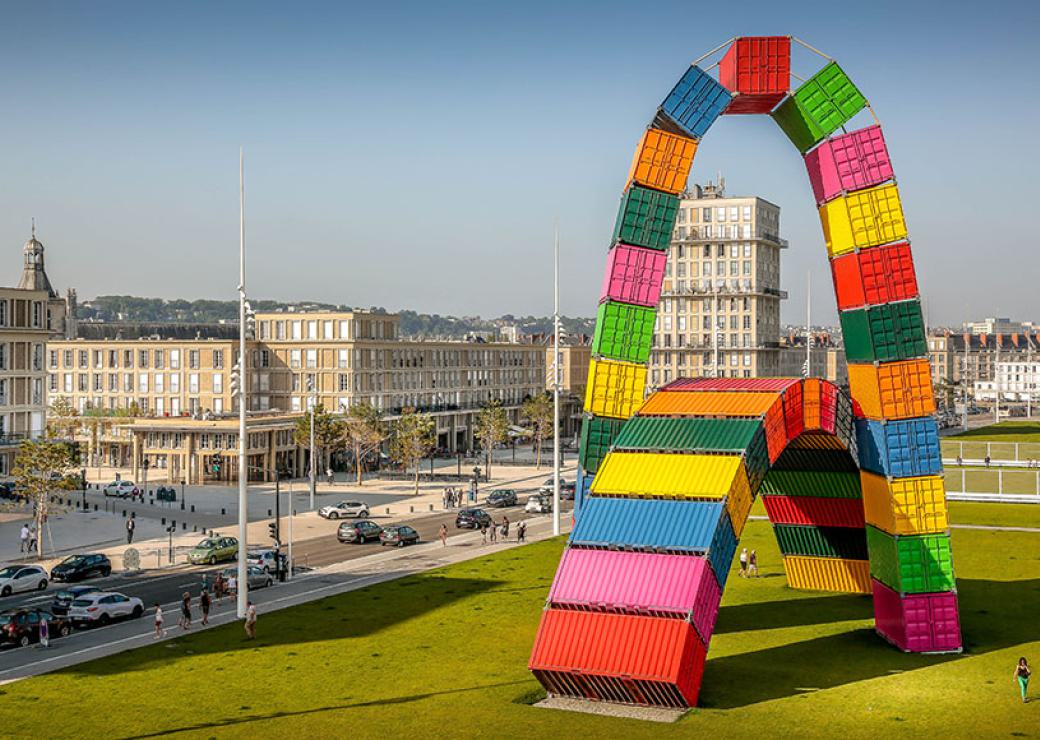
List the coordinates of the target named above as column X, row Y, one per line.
column 724, row 287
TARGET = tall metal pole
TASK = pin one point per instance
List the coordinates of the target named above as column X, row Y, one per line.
column 243, row 503
column 556, row 382
column 808, row 324
column 313, row 479
column 1029, row 376
column 996, row 381
column 289, row 574
column 964, row 381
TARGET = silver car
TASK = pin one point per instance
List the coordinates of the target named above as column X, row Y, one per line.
column 257, row 577
column 102, row 607
column 345, row 510
column 15, row 578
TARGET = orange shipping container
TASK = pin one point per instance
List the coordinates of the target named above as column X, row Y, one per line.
column 722, row 403
column 776, row 429
column 663, row 161
column 828, row 574
column 811, row 400
column 893, row 390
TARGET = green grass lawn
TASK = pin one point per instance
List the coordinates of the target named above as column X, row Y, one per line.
column 1001, row 441
column 996, row 515
column 1005, row 431
column 444, row 654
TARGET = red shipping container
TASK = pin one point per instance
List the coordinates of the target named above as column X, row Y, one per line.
column 819, row 511
column 752, row 385
column 776, row 429
column 757, row 70
column 614, row 656
column 852, row 161
column 633, row 275
column 918, row 623
column 828, row 406
column 875, row 276
column 793, row 419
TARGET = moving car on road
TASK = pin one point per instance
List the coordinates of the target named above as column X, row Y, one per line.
column 539, row 503
column 502, row 497
column 214, row 549
column 472, row 519
column 360, row 531
column 22, row 626
column 64, row 598
column 80, row 567
column 121, row 488
column 16, row 578
column 399, row 535
column 266, row 560
column 344, row 510
column 102, row 607
column 257, row 577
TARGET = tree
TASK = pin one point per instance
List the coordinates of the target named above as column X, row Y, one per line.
column 413, row 437
column 491, row 428
column 363, row 432
column 61, row 418
column 537, row 412
column 40, row 467
column 328, row 432
column 96, row 421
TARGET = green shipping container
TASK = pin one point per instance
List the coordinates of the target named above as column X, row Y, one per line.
column 822, row 542
column 597, row 435
column 824, row 484
column 816, row 109
column 624, row 332
column 799, row 459
column 893, row 331
column 646, row 218
column 915, row 564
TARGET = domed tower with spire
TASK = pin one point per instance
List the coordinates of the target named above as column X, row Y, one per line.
column 34, row 276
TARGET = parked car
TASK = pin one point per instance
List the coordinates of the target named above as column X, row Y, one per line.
column 65, row 597
column 17, row 578
column 539, row 503
column 502, row 497
column 22, row 626
column 265, row 560
column 344, row 510
column 257, row 577
column 7, row 490
column 121, row 488
column 80, row 567
column 567, row 491
column 214, row 549
column 360, row 531
column 472, row 519
column 565, row 488
column 399, row 535
column 102, row 607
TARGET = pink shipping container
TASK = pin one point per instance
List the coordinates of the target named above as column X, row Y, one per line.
column 852, row 161
column 639, row 583
column 917, row 623
column 751, row 385
column 633, row 275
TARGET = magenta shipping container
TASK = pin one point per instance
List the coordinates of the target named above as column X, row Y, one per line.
column 848, row 162
column 918, row 623
column 640, row 583
column 634, row 275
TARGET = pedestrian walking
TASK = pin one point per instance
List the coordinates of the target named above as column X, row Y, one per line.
column 743, row 563
column 32, row 537
column 159, row 631
column 1022, row 674
column 232, row 586
column 218, row 586
column 505, row 528
column 45, row 631
column 483, row 533
column 987, row 461
column 444, row 535
column 753, row 564
column 521, row 531
column 330, row 476
column 493, row 529
column 204, row 606
column 205, row 581
column 24, row 537
column 250, row 624
column 131, row 525
column 185, row 622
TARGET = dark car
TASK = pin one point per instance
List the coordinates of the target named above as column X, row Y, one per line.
column 399, row 535
column 65, row 597
column 79, row 567
column 473, row 519
column 7, row 491
column 502, row 497
column 22, row 626
column 360, row 531
column 567, row 491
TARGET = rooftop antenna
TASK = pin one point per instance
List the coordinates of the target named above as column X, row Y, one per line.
column 34, row 228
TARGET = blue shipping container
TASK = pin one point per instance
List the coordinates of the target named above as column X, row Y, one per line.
column 582, row 482
column 899, row 449
column 723, row 547
column 649, row 524
column 695, row 102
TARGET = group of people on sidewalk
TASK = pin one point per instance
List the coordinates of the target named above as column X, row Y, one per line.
column 454, row 498
column 206, row 600
column 27, row 538
column 748, row 563
column 493, row 531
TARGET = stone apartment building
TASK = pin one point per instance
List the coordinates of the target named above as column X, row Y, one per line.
column 963, row 359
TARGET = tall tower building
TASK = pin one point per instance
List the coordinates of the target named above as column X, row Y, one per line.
column 719, row 313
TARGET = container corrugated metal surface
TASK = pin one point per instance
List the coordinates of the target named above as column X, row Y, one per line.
column 828, row 574
column 866, row 218
column 723, row 548
column 816, row 109
column 758, row 68
column 647, row 524
column 817, row 441
column 664, row 475
column 623, row 332
column 824, row 542
column 874, row 276
column 646, row 218
column 815, row 510
column 819, row 483
column 899, row 449
column 911, row 564
column 894, row 331
column 633, row 275
column 845, row 422
column 756, row 459
column 677, row 434
column 663, row 161
column 829, row 397
column 693, row 104
column 751, row 385
column 722, row 403
column 776, row 428
column 811, row 401
column 597, row 434
column 796, row 459
column 614, row 389
column 793, row 419
column 852, row 161
column 924, row 623
column 893, row 390
column 738, row 504
column 582, row 482
column 905, row 505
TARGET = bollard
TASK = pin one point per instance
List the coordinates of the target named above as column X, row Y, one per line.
column 431, row 507
column 388, row 511
column 194, row 528
column 223, row 512
column 184, row 526
column 163, row 521
column 95, row 507
column 182, row 505
column 151, row 501
column 411, row 509
column 268, row 512
column 124, row 513
column 193, row 508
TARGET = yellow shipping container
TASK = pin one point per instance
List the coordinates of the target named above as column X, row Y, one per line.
column 738, row 503
column 828, row 574
column 614, row 389
column 662, row 475
column 905, row 505
column 865, row 218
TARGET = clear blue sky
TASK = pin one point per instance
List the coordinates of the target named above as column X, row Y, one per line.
column 414, row 155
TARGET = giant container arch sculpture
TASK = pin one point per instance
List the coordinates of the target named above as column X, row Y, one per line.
column 853, row 487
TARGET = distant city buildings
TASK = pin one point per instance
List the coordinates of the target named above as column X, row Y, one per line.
column 994, row 325
column 967, row 364
column 1015, row 381
column 827, row 357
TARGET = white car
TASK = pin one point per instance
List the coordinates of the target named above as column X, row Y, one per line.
column 102, row 607
column 121, row 488
column 538, row 504
column 345, row 510
column 15, row 578
column 265, row 560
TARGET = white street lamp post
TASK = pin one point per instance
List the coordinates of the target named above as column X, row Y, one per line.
column 243, row 503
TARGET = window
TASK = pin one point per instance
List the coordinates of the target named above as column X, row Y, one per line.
column 68, row 382
column 344, row 382
column 279, row 330
column 160, row 359
column 218, row 405
column 142, row 383
column 344, row 329
column 218, row 358
column 128, row 358
column 175, row 382
column 218, row 382
column 128, row 382
column 733, row 211
column 81, row 384
column 66, row 358
column 297, row 329
column 706, row 215
column 193, row 359
column 3, row 312
column 193, row 383
column 157, row 381
column 295, row 358
column 113, row 358
column 720, row 214
column 312, row 358
column 326, row 327
column 142, row 359
column 747, row 213
column 3, row 356
column 83, row 359
column 175, row 359
column 37, row 313
column 343, row 358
